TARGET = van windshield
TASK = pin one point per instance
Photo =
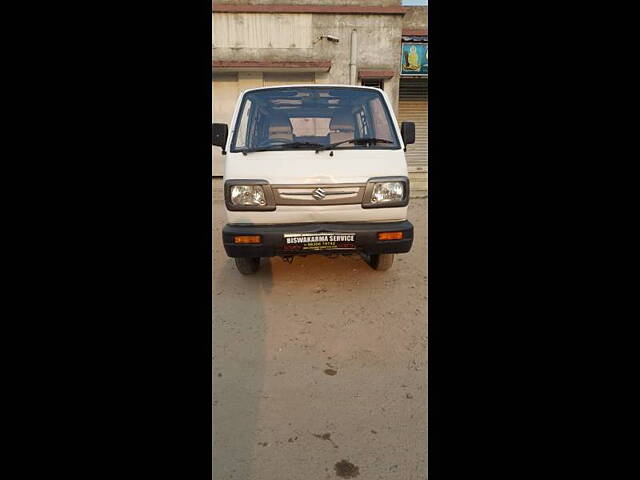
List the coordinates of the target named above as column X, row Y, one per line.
column 292, row 118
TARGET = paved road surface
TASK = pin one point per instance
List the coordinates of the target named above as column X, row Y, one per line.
column 319, row 362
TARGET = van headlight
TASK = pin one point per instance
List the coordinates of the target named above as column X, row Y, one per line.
column 386, row 192
column 248, row 195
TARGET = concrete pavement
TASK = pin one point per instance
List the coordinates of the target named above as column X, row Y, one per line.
column 319, row 366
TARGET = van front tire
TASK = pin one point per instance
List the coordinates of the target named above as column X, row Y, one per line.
column 248, row 265
column 382, row 261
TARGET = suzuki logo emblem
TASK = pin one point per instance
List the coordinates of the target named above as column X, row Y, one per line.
column 318, row 194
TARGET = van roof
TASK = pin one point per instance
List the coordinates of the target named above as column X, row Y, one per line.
column 313, row 85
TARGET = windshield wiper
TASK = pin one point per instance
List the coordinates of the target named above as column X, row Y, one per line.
column 282, row 146
column 355, row 140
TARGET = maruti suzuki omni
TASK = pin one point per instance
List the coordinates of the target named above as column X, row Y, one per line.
column 315, row 169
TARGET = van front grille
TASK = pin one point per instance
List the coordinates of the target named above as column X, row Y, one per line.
column 332, row 194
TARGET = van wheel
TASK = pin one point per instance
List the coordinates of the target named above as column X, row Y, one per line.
column 248, row 266
column 382, row 261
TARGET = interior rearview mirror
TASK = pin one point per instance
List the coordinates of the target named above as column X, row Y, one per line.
column 408, row 132
column 219, row 135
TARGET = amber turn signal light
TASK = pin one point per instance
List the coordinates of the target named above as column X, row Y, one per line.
column 390, row 236
column 246, row 239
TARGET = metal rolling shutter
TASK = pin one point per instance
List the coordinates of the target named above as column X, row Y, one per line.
column 413, row 107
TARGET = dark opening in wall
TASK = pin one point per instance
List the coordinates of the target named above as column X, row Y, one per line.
column 373, row 82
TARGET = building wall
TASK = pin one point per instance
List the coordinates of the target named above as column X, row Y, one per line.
column 379, row 46
column 416, row 17
column 257, row 32
column 295, row 37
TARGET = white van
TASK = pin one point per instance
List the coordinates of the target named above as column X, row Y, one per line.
column 315, row 169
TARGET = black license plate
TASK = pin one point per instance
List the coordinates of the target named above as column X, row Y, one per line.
column 317, row 242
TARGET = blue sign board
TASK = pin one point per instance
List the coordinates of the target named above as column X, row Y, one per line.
column 415, row 59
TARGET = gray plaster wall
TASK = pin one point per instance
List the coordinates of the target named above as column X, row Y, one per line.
column 416, row 17
column 379, row 47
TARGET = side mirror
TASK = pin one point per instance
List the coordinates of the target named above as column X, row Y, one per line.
column 408, row 132
column 219, row 133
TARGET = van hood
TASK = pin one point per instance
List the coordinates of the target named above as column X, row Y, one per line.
column 308, row 167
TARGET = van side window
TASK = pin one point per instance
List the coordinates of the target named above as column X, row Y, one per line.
column 243, row 124
column 341, row 128
column 361, row 121
column 310, row 127
column 280, row 128
column 381, row 126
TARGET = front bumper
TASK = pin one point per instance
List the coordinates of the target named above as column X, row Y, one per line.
column 271, row 245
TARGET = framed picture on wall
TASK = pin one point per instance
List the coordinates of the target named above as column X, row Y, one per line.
column 415, row 59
